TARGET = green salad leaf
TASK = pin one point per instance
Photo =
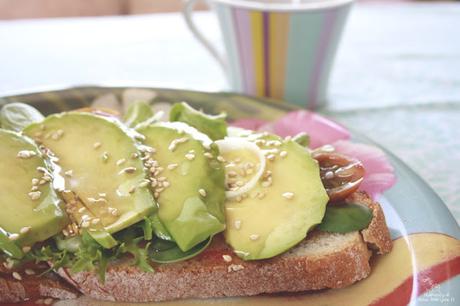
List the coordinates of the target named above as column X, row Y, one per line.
column 9, row 247
column 16, row 116
column 345, row 218
column 213, row 126
column 137, row 113
column 164, row 251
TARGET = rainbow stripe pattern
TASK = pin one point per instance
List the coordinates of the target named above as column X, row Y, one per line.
column 282, row 55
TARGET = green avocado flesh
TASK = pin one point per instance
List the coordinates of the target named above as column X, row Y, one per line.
column 33, row 215
column 266, row 221
column 101, row 165
column 188, row 215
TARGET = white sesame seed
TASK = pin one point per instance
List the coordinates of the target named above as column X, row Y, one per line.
column 25, row 229
column 172, row 166
column 34, row 195
column 81, row 209
column 13, row 237
column 42, row 169
column 208, row 155
column 95, row 221
column 232, row 173
column 102, row 194
column 68, row 173
column 35, row 181
column 328, row 175
column 261, row 195
column 97, row 145
column 162, row 179
column 134, row 155
column 227, row 258
column 166, row 184
column 26, row 249
column 129, row 170
column 221, row 159
column 121, row 161
column 239, row 183
column 266, row 184
column 172, row 146
column 288, row 195
column 202, row 192
column 105, row 156
column 283, row 154
column 190, row 156
column 254, row 237
column 234, row 268
column 154, row 182
column 29, row 272
column 8, row 264
column 17, row 276
column 25, row 154
column 48, row 301
column 132, row 189
column 271, row 157
column 34, row 188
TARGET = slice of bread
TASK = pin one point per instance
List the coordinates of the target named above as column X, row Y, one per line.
column 322, row 260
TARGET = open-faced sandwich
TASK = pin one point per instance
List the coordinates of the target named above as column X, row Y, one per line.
column 139, row 209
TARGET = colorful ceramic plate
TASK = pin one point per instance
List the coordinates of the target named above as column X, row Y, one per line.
column 422, row 269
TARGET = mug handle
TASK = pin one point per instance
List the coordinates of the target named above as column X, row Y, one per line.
column 187, row 12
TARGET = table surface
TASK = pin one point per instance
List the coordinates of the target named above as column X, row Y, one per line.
column 396, row 76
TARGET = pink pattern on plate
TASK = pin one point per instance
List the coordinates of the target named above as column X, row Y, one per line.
column 320, row 129
column 379, row 172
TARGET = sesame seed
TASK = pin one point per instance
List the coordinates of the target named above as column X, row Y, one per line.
column 239, row 183
column 254, row 237
column 102, row 194
column 47, row 178
column 239, row 199
column 105, row 156
column 134, row 155
column 97, row 145
column 113, row 211
column 42, row 182
column 283, row 154
column 26, row 249
column 129, row 170
column 202, row 192
column 95, row 221
column 172, row 166
column 48, row 301
column 266, row 184
column 156, row 194
column 271, row 157
column 234, row 268
column 221, row 159
column 121, row 161
column 34, row 195
column 42, row 169
column 29, row 271
column 261, row 195
column 162, row 178
column 227, row 258
column 25, row 229
column 132, row 189
column 288, row 195
column 35, row 181
column 8, row 264
column 154, row 183
column 232, row 173
column 208, row 155
column 328, row 175
column 34, row 188
column 190, row 156
column 81, row 209
column 68, row 173
column 327, row 148
column 25, row 154
column 17, row 276
column 166, row 184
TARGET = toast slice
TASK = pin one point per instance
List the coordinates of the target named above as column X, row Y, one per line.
column 322, row 260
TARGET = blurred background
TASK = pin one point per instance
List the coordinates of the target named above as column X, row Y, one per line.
column 13, row 9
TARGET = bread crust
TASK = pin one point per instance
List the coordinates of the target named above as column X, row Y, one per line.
column 33, row 287
column 209, row 275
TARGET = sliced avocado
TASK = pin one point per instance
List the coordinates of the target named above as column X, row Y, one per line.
column 213, row 126
column 192, row 208
column 277, row 213
column 31, row 209
column 101, row 165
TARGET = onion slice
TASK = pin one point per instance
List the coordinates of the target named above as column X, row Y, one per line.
column 229, row 144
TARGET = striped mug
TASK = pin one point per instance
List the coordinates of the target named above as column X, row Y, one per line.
column 283, row 49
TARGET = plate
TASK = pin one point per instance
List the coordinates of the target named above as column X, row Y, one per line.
column 422, row 269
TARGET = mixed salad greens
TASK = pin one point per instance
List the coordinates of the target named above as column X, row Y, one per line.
column 84, row 188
